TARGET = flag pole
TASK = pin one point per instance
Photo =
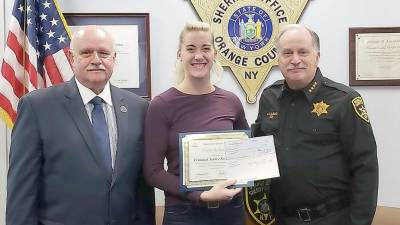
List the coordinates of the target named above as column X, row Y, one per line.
column 63, row 19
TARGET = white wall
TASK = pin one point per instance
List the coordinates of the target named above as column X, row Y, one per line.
column 329, row 18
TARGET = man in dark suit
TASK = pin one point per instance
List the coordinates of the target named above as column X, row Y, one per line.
column 74, row 160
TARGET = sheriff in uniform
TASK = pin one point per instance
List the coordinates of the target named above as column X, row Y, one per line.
column 325, row 145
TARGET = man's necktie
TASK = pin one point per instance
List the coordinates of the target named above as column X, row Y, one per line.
column 100, row 129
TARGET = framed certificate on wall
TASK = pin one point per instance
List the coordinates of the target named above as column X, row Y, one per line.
column 374, row 56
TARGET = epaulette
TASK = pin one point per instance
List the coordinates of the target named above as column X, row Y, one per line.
column 277, row 83
column 338, row 86
column 275, row 88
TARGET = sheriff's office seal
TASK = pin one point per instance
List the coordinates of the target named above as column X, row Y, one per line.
column 244, row 34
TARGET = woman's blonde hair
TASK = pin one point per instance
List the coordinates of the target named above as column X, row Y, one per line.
column 216, row 69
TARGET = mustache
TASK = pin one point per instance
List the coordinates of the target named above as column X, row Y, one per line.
column 96, row 69
column 293, row 67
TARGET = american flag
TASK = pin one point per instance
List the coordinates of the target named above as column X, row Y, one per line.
column 35, row 53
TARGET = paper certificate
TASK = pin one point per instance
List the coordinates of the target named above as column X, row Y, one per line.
column 207, row 160
column 377, row 56
column 251, row 159
column 202, row 158
column 126, row 68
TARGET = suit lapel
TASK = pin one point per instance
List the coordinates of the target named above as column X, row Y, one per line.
column 121, row 114
column 77, row 111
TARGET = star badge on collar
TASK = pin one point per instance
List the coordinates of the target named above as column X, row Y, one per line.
column 320, row 108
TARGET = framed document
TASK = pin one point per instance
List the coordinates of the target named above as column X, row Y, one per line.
column 202, row 158
column 132, row 44
column 374, row 56
column 207, row 158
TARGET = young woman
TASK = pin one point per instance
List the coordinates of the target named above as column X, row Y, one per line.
column 193, row 105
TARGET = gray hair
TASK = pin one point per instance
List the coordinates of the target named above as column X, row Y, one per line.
column 314, row 36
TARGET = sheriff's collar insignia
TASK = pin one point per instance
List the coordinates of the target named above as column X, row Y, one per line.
column 359, row 108
column 320, row 108
column 244, row 35
column 312, row 87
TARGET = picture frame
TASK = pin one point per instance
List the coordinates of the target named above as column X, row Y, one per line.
column 374, row 53
column 131, row 33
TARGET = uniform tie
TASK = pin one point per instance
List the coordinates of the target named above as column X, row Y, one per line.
column 100, row 129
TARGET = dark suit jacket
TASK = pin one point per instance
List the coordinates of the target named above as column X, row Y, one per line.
column 56, row 175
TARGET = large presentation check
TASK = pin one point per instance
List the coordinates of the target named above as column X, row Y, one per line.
column 209, row 157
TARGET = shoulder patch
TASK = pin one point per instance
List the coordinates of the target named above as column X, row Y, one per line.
column 359, row 108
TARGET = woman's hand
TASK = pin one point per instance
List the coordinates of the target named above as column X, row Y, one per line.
column 220, row 193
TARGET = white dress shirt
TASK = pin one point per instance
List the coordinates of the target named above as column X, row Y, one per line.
column 87, row 95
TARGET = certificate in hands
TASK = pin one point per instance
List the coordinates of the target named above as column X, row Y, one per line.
column 207, row 158
column 202, row 158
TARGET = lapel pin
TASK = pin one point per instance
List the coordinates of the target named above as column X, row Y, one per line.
column 123, row 109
